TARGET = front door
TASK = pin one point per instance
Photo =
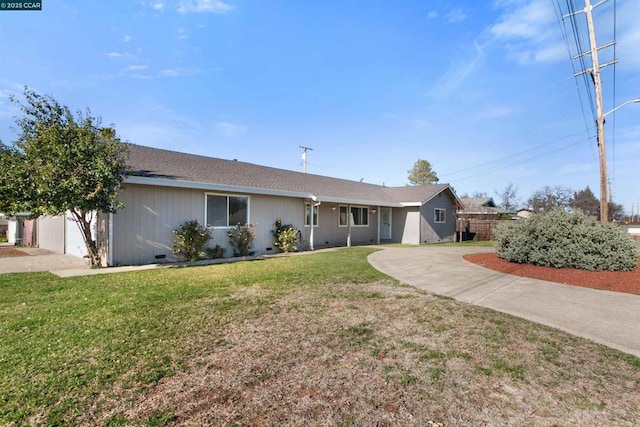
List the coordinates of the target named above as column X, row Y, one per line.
column 385, row 223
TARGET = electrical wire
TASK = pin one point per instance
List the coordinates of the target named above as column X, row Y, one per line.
column 560, row 20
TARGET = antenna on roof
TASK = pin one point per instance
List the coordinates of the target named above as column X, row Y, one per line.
column 304, row 156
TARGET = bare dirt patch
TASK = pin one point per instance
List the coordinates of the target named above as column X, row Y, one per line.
column 617, row 281
column 10, row 252
column 382, row 354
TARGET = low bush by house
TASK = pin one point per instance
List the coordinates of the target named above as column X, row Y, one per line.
column 560, row 239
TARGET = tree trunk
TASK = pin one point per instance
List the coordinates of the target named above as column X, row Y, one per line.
column 84, row 224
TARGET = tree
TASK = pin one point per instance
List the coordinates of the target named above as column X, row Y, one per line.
column 422, row 174
column 508, row 197
column 547, row 198
column 587, row 202
column 62, row 163
column 616, row 212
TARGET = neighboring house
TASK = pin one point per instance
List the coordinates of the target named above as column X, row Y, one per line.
column 524, row 213
column 479, row 208
column 167, row 188
column 479, row 217
column 20, row 230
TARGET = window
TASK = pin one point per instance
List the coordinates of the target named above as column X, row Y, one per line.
column 226, row 211
column 358, row 216
column 307, row 215
column 440, row 215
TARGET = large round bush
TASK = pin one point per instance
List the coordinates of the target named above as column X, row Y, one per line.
column 560, row 239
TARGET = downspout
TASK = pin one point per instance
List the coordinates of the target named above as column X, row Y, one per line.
column 312, row 205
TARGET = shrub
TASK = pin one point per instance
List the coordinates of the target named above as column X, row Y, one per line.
column 214, row 253
column 286, row 236
column 190, row 240
column 241, row 238
column 560, row 239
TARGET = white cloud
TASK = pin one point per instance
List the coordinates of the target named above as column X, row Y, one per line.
column 529, row 21
column 182, row 34
column 229, row 130
column 457, row 73
column 432, row 14
column 529, row 31
column 137, row 67
column 159, row 6
column 494, row 112
column 127, row 38
column 455, row 15
column 552, row 53
column 204, row 6
column 118, row 55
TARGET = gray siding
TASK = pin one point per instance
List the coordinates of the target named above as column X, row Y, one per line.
column 329, row 233
column 435, row 232
column 143, row 230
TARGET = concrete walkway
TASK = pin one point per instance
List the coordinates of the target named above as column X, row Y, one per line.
column 609, row 318
column 41, row 260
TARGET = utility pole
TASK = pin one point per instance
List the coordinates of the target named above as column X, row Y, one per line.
column 304, row 156
column 597, row 82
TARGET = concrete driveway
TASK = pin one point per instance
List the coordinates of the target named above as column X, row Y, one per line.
column 40, row 260
column 609, row 318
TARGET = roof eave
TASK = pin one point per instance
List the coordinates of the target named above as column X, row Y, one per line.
column 345, row 201
column 174, row 183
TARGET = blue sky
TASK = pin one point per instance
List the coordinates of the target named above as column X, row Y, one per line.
column 482, row 90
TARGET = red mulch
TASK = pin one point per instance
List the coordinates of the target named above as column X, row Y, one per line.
column 11, row 252
column 618, row 281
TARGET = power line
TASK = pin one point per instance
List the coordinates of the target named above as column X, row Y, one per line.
column 489, row 163
column 521, row 162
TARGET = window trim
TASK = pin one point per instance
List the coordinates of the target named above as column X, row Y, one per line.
column 349, row 216
column 307, row 214
column 436, row 216
column 227, row 196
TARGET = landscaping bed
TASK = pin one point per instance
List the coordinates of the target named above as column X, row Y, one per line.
column 618, row 281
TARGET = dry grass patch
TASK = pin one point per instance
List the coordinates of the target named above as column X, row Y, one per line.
column 382, row 354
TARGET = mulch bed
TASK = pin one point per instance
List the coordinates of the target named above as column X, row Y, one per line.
column 618, row 281
column 11, row 252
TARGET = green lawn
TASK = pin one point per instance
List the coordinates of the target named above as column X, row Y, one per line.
column 350, row 345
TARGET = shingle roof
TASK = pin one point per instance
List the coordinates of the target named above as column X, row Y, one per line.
column 150, row 162
column 470, row 202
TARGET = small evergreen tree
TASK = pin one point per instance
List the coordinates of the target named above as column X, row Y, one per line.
column 422, row 173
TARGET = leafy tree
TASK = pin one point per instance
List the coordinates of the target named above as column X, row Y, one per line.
column 422, row 173
column 587, row 202
column 61, row 162
column 548, row 198
column 509, row 197
column 616, row 212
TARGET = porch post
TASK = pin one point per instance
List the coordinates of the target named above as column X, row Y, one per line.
column 378, row 213
column 349, row 221
column 311, row 225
